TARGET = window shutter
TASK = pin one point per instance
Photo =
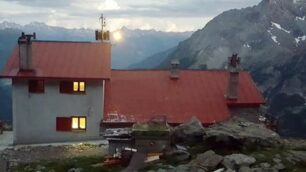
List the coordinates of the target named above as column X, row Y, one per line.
column 63, row 124
column 66, row 87
column 36, row 86
column 32, row 86
column 40, row 86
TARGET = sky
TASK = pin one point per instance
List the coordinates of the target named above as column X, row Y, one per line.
column 163, row 15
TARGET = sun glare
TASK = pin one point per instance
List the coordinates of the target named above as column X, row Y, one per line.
column 117, row 36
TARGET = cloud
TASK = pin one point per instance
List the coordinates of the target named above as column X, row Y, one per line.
column 167, row 15
column 42, row 3
column 108, row 5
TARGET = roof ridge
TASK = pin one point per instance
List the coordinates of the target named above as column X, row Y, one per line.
column 156, row 70
column 59, row 41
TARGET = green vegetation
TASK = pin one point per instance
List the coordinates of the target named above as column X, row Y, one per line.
column 151, row 129
column 86, row 163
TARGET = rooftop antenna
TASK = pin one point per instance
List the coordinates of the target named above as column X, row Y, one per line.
column 101, row 35
column 103, row 22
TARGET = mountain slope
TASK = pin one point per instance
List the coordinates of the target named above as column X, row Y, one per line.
column 271, row 39
column 275, row 25
column 153, row 60
column 137, row 44
column 8, row 39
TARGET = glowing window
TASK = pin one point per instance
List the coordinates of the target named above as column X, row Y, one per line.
column 78, row 123
column 79, row 86
column 82, row 86
column 72, row 87
column 82, row 123
column 75, row 123
column 75, row 86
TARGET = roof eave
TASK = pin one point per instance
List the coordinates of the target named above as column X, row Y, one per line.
column 53, row 78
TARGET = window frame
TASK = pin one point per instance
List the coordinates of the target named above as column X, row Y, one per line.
column 35, row 87
column 67, row 87
column 79, row 128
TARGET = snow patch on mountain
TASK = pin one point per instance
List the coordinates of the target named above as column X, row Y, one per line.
column 246, row 45
column 299, row 39
column 296, row 1
column 278, row 26
column 273, row 37
column 300, row 18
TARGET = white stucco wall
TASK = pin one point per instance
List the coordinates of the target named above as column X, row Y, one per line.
column 34, row 115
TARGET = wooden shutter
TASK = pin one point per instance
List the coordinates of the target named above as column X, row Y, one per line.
column 36, row 86
column 63, row 124
column 66, row 87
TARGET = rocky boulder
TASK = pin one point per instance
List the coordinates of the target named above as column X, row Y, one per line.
column 207, row 161
column 190, row 131
column 177, row 155
column 240, row 132
column 236, row 161
column 75, row 170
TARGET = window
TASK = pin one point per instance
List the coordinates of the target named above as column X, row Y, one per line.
column 36, row 86
column 78, row 123
column 78, row 86
column 72, row 87
column 70, row 123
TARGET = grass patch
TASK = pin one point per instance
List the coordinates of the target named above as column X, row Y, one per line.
column 64, row 165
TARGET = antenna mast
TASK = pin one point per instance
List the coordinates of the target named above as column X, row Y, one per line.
column 101, row 35
column 103, row 22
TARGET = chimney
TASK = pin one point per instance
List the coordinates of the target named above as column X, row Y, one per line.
column 233, row 82
column 174, row 71
column 25, row 51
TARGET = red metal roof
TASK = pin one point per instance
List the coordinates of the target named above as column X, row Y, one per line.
column 132, row 96
column 55, row 59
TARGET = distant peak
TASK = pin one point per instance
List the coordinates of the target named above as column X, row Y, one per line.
column 124, row 28
column 281, row 2
column 37, row 24
column 8, row 24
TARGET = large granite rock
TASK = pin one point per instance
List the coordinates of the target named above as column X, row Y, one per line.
column 207, row 160
column 236, row 161
column 177, row 155
column 204, row 162
column 241, row 132
column 190, row 131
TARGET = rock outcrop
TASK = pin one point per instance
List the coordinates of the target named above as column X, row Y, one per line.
column 236, row 161
column 206, row 161
column 190, row 131
column 242, row 132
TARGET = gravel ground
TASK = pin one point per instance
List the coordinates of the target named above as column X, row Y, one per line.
column 14, row 155
column 28, row 154
column 6, row 139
